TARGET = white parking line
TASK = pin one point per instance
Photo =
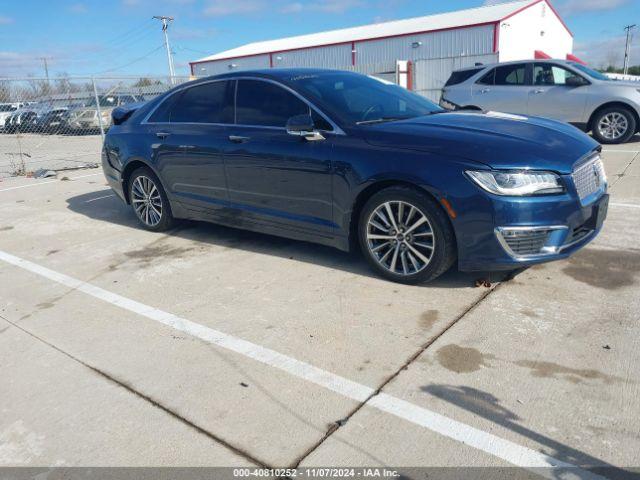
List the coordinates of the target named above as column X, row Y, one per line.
column 27, row 186
column 620, row 151
column 99, row 198
column 628, row 205
column 48, row 181
column 504, row 449
column 84, row 176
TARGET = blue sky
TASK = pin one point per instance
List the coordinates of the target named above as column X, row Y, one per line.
column 118, row 37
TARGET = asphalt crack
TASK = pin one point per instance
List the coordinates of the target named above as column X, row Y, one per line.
column 334, row 427
column 153, row 402
column 624, row 171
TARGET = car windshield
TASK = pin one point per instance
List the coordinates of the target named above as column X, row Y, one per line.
column 590, row 71
column 362, row 100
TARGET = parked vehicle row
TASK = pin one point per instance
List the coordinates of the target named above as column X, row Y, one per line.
column 6, row 110
column 71, row 119
column 557, row 89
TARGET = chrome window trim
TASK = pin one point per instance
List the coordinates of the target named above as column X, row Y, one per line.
column 336, row 129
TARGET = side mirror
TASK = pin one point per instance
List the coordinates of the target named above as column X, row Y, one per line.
column 575, row 81
column 302, row 126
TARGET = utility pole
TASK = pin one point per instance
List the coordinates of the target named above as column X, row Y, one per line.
column 165, row 25
column 627, row 47
column 46, row 72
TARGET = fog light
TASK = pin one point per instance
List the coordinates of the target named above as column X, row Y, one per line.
column 527, row 242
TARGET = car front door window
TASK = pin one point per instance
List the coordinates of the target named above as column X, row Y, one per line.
column 554, row 95
column 265, row 104
column 546, row 74
column 272, row 176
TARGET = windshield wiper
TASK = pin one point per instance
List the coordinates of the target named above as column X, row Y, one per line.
column 381, row 120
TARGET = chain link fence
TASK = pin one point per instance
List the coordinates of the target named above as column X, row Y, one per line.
column 57, row 124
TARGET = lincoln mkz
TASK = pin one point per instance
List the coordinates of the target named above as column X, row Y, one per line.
column 346, row 160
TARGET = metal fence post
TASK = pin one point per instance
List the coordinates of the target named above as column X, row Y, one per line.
column 95, row 95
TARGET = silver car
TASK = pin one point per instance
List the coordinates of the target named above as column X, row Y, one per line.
column 558, row 89
column 87, row 118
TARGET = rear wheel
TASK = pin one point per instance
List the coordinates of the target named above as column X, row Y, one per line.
column 405, row 236
column 613, row 125
column 149, row 200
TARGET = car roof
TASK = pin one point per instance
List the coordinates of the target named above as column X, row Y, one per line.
column 516, row 62
column 281, row 74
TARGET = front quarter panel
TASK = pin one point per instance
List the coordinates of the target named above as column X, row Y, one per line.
column 359, row 165
column 603, row 93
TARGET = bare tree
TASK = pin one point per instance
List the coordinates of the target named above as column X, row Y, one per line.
column 611, row 59
column 5, row 91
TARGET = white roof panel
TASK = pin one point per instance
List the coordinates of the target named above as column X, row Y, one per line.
column 460, row 18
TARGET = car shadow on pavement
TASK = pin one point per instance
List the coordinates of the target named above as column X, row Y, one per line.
column 104, row 206
column 486, row 405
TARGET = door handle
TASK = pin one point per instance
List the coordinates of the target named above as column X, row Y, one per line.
column 538, row 91
column 239, row 139
column 485, row 90
column 162, row 134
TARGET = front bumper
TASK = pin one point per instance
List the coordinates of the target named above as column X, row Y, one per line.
column 526, row 231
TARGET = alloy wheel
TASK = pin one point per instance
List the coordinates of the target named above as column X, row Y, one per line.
column 400, row 237
column 146, row 200
column 613, row 126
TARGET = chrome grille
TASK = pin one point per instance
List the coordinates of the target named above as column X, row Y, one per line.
column 589, row 177
column 525, row 242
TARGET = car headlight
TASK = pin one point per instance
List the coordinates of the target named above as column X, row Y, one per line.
column 505, row 182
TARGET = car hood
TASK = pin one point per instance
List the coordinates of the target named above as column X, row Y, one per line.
column 497, row 140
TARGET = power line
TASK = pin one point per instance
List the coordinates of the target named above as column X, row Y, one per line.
column 180, row 47
column 144, row 26
column 131, row 62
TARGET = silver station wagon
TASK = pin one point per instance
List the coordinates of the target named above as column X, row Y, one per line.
column 558, row 89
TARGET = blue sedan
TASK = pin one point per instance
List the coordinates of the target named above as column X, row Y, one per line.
column 346, row 160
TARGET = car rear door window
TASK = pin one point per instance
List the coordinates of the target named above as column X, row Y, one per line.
column 548, row 74
column 266, row 104
column 488, row 78
column 206, row 103
column 461, row 76
column 505, row 75
column 510, row 75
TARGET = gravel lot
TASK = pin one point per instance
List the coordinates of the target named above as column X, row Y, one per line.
column 209, row 346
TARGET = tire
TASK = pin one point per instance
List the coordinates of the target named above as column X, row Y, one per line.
column 149, row 200
column 616, row 118
column 433, row 238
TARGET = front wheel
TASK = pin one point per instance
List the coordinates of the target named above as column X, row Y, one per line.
column 614, row 125
column 405, row 235
column 149, row 200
